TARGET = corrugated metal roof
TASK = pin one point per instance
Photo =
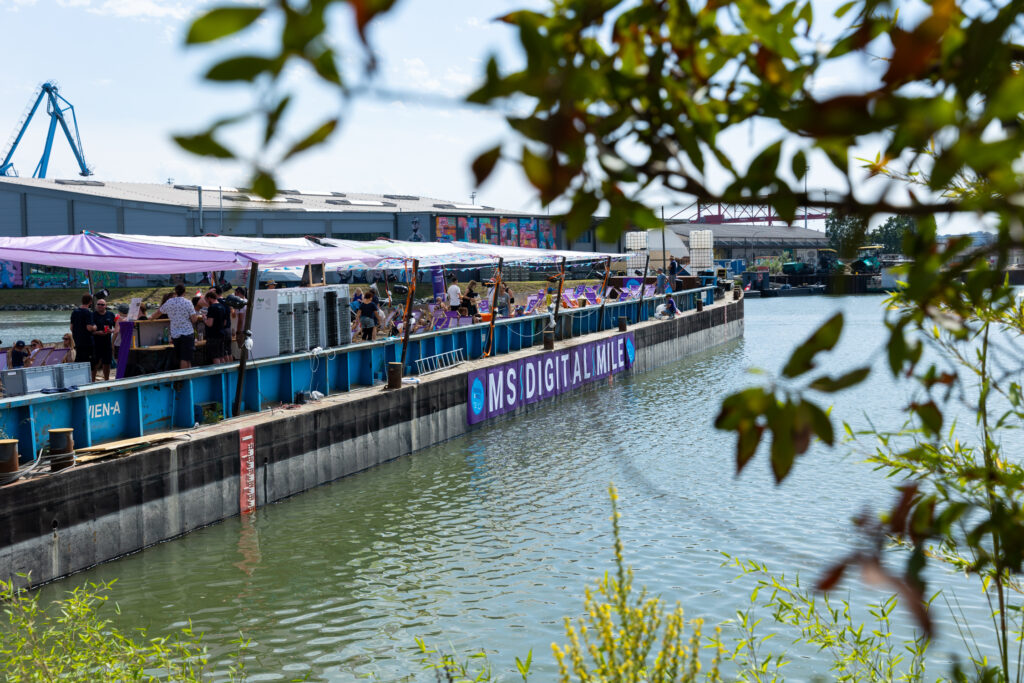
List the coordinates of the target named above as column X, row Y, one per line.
column 732, row 235
column 187, row 196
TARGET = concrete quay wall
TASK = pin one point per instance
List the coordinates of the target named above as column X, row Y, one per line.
column 59, row 524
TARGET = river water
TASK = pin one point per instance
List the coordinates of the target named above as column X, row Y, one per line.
column 488, row 540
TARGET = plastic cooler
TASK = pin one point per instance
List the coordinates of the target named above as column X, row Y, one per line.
column 19, row 381
column 73, row 374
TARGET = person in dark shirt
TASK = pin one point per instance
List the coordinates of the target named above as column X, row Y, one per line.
column 469, row 298
column 81, row 318
column 102, row 329
column 18, row 354
column 368, row 317
column 218, row 329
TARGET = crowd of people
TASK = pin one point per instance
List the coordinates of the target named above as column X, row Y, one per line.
column 94, row 335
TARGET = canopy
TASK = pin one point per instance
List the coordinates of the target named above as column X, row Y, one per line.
column 395, row 253
column 162, row 255
column 89, row 251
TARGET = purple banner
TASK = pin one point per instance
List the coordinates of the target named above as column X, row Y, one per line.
column 127, row 333
column 437, row 280
column 504, row 388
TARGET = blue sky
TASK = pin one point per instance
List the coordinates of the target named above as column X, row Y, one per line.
column 122, row 63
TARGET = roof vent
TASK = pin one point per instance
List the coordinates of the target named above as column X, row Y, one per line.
column 90, row 183
column 339, row 194
column 359, row 202
column 402, row 197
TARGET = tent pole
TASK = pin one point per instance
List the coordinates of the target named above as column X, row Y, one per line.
column 643, row 286
column 88, row 275
column 604, row 290
column 244, row 352
column 494, row 307
column 408, row 310
column 558, row 300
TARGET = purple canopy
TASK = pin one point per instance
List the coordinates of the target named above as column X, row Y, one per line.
column 91, row 252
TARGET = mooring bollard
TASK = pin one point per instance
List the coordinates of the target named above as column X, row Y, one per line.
column 735, row 293
column 394, row 375
column 623, row 323
column 8, row 455
column 700, row 304
column 62, row 449
column 549, row 340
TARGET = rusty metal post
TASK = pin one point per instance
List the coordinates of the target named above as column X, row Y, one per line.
column 62, row 449
column 408, row 315
column 236, row 408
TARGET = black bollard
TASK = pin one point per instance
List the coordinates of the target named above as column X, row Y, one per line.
column 549, row 340
column 394, row 375
column 8, row 455
column 62, row 449
column 700, row 304
column 623, row 323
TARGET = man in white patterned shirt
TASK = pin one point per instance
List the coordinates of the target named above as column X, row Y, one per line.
column 183, row 316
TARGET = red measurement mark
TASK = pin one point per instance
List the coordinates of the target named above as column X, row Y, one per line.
column 247, row 473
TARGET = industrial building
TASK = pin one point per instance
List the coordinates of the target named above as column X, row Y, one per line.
column 752, row 241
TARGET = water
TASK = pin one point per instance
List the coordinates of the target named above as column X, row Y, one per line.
column 487, row 541
column 47, row 326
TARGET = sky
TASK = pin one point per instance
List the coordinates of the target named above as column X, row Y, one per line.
column 133, row 83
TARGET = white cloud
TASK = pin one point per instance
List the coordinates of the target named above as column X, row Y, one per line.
column 15, row 5
column 142, row 9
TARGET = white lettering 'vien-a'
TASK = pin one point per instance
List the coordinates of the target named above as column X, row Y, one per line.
column 104, row 409
column 495, row 391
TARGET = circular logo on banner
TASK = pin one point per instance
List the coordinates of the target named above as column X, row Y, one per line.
column 630, row 351
column 476, row 396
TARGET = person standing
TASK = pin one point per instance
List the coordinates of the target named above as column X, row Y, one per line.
column 369, row 315
column 673, row 273
column 218, row 329
column 660, row 282
column 102, row 329
column 182, row 315
column 81, row 318
column 454, row 294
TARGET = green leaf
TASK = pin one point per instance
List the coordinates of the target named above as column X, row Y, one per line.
column 820, row 422
column 313, row 139
column 746, row 445
column 823, row 339
column 220, row 22
column 783, row 451
column 830, row 385
column 799, row 165
column 203, row 145
column 931, row 416
column 484, row 164
column 536, row 169
column 274, row 117
column 263, row 184
column 245, row 68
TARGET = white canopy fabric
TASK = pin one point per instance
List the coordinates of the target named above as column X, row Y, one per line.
column 89, row 251
column 168, row 254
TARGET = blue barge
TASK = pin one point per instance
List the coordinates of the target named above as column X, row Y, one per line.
column 140, row 406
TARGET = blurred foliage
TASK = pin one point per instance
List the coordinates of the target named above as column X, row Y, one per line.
column 892, row 234
column 845, row 233
column 620, row 99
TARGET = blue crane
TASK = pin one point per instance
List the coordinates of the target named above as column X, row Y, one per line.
column 58, row 108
